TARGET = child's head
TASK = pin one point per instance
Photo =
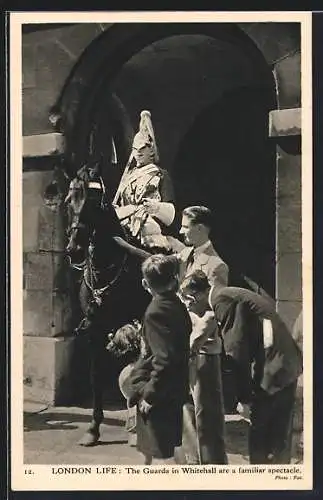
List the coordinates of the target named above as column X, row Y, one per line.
column 126, row 343
column 160, row 273
column 195, row 290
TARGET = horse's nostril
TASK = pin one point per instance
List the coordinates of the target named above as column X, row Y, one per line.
column 73, row 247
column 70, row 247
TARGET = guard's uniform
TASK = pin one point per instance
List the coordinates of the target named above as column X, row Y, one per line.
column 146, row 182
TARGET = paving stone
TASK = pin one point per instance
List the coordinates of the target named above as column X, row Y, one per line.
column 51, row 437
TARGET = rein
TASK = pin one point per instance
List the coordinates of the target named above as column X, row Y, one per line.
column 98, row 293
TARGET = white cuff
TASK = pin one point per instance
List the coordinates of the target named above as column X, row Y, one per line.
column 268, row 334
column 165, row 212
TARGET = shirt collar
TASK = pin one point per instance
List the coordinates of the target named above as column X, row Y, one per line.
column 201, row 248
column 210, row 297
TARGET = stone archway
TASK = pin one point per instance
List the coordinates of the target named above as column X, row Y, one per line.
column 160, row 67
column 105, row 56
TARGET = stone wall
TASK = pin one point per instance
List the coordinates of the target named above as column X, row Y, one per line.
column 281, row 48
column 48, row 57
column 289, row 199
column 289, row 237
column 46, row 299
column 47, row 60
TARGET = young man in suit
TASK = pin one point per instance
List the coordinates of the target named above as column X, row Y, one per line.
column 200, row 255
column 160, row 378
column 267, row 364
column 199, row 252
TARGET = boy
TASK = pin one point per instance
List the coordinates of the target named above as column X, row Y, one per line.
column 160, row 378
column 207, row 419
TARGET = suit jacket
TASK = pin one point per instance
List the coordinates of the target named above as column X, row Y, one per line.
column 207, row 261
column 261, row 363
column 162, row 376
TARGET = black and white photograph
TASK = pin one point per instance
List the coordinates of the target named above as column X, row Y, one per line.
column 161, row 211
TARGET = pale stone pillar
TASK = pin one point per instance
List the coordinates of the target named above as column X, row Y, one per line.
column 48, row 344
column 285, row 128
column 289, row 237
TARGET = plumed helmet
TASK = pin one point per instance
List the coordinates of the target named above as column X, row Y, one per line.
column 146, row 136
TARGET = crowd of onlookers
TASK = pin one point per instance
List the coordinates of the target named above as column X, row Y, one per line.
column 193, row 326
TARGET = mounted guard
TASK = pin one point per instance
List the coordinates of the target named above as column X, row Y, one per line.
column 144, row 201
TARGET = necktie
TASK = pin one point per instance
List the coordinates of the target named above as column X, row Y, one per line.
column 190, row 259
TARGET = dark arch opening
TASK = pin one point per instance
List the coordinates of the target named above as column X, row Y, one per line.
column 106, row 55
column 227, row 163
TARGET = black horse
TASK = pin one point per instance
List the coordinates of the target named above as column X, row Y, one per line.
column 110, row 292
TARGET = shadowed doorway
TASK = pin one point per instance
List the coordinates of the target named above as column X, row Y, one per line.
column 225, row 161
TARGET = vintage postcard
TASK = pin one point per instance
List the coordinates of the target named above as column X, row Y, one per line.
column 161, row 254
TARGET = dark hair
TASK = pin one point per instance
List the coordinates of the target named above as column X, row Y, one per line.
column 161, row 272
column 196, row 282
column 125, row 343
column 199, row 215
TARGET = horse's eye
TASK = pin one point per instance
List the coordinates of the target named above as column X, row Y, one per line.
column 70, row 230
column 52, row 190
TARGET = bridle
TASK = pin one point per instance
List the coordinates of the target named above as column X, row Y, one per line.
column 87, row 266
column 89, row 278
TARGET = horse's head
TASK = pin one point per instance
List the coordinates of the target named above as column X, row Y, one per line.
column 78, row 205
column 91, row 215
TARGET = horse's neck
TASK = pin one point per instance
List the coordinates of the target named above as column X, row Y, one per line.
column 105, row 251
column 105, row 226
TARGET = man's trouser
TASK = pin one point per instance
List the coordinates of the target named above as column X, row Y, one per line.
column 270, row 435
column 203, row 433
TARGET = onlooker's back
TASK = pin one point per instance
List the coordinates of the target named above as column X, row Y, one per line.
column 283, row 359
